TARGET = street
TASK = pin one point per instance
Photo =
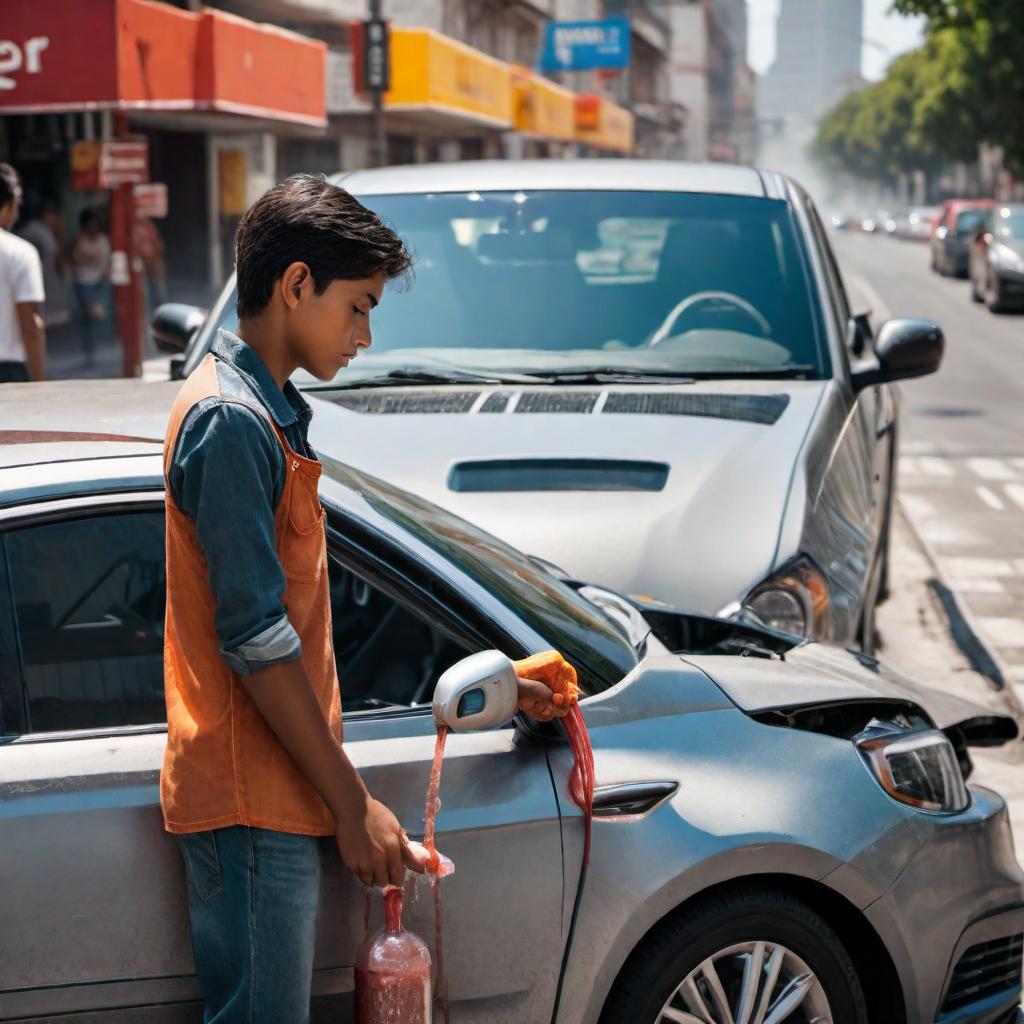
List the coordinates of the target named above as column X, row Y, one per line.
column 956, row 617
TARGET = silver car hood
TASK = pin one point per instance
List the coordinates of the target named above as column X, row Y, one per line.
column 817, row 674
column 698, row 543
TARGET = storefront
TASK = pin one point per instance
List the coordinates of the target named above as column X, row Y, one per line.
column 603, row 126
column 545, row 115
column 206, row 90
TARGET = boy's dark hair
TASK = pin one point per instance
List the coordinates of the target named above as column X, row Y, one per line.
column 10, row 186
column 306, row 219
column 88, row 216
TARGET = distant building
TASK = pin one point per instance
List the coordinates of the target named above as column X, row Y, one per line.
column 817, row 57
column 817, row 62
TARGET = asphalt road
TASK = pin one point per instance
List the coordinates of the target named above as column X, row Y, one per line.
column 961, row 471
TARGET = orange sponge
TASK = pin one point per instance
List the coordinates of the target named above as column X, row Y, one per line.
column 551, row 669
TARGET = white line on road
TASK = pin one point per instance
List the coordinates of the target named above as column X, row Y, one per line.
column 908, row 466
column 990, row 499
column 916, row 506
column 967, row 586
column 1003, row 632
column 935, row 467
column 959, row 568
column 1016, row 493
column 992, row 469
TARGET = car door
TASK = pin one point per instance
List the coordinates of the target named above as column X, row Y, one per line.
column 93, row 914
column 94, row 905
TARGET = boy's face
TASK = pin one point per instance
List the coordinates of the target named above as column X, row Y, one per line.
column 325, row 332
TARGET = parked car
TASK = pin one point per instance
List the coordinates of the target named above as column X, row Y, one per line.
column 703, row 418
column 916, row 225
column 780, row 825
column 997, row 258
column 951, row 238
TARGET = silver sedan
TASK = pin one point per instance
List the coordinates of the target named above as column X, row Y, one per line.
column 783, row 831
column 646, row 373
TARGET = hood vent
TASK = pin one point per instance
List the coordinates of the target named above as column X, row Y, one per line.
column 406, row 400
column 748, row 408
column 505, row 475
column 764, row 409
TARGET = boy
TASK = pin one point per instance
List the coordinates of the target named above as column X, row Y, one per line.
column 255, row 769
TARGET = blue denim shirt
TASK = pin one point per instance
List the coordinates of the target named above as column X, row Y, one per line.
column 226, row 475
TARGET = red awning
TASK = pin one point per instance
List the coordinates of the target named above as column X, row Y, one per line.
column 65, row 55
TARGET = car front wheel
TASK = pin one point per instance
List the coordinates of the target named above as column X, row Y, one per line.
column 751, row 954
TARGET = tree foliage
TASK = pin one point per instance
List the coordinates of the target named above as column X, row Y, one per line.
column 964, row 86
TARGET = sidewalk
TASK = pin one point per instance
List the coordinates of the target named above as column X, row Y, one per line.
column 916, row 638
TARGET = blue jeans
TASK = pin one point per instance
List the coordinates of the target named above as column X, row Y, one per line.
column 252, row 903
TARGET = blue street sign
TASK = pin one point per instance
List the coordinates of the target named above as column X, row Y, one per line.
column 585, row 45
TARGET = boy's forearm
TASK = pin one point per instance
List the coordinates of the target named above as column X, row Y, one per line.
column 284, row 697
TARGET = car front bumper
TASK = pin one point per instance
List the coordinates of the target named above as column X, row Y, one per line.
column 953, row 918
column 1011, row 285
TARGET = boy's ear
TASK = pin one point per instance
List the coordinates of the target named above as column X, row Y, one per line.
column 295, row 278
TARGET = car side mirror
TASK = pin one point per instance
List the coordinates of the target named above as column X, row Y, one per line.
column 904, row 348
column 859, row 333
column 173, row 325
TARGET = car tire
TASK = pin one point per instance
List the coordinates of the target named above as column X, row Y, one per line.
column 680, row 944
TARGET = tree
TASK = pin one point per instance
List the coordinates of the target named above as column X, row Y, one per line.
column 988, row 39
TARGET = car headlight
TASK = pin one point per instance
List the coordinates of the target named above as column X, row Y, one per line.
column 1003, row 256
column 916, row 768
column 793, row 600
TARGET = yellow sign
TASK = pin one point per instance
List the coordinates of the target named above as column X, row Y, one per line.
column 431, row 72
column 612, row 128
column 544, row 109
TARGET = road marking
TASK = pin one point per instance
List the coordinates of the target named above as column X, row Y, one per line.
column 992, row 469
column 1016, row 493
column 978, row 568
column 935, row 467
column 916, row 506
column 908, row 466
column 923, row 448
column 1003, row 632
column 990, row 499
column 967, row 586
column 948, row 534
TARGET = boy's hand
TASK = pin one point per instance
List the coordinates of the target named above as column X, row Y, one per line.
column 538, row 701
column 374, row 847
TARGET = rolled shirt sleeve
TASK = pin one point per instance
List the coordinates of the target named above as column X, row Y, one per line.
column 226, row 475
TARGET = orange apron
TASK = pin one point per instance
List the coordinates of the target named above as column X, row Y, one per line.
column 223, row 765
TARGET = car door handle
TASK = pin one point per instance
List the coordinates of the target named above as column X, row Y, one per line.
column 631, row 798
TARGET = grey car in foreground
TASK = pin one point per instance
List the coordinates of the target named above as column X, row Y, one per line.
column 646, row 373
column 996, row 259
column 783, row 829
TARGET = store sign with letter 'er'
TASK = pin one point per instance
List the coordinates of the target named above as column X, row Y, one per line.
column 585, row 45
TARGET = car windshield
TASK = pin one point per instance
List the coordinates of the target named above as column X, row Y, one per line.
column 558, row 283
column 591, row 639
column 1010, row 224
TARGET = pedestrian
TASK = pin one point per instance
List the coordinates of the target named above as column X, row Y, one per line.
column 44, row 230
column 255, row 769
column 90, row 269
column 22, row 334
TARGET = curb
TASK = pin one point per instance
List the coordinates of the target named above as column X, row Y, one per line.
column 966, row 635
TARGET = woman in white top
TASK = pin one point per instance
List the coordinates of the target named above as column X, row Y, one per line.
column 90, row 269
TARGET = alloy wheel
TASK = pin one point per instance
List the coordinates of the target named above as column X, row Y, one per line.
column 749, row 983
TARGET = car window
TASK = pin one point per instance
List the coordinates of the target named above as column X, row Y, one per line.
column 838, row 290
column 88, row 600
column 387, row 656
column 553, row 282
column 968, row 221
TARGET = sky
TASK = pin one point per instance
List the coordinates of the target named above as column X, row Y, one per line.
column 888, row 34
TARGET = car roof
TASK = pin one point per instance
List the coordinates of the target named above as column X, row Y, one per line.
column 77, row 419
column 612, row 175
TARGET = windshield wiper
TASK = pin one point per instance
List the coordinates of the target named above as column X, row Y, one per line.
column 796, row 371
column 613, row 375
column 404, row 376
